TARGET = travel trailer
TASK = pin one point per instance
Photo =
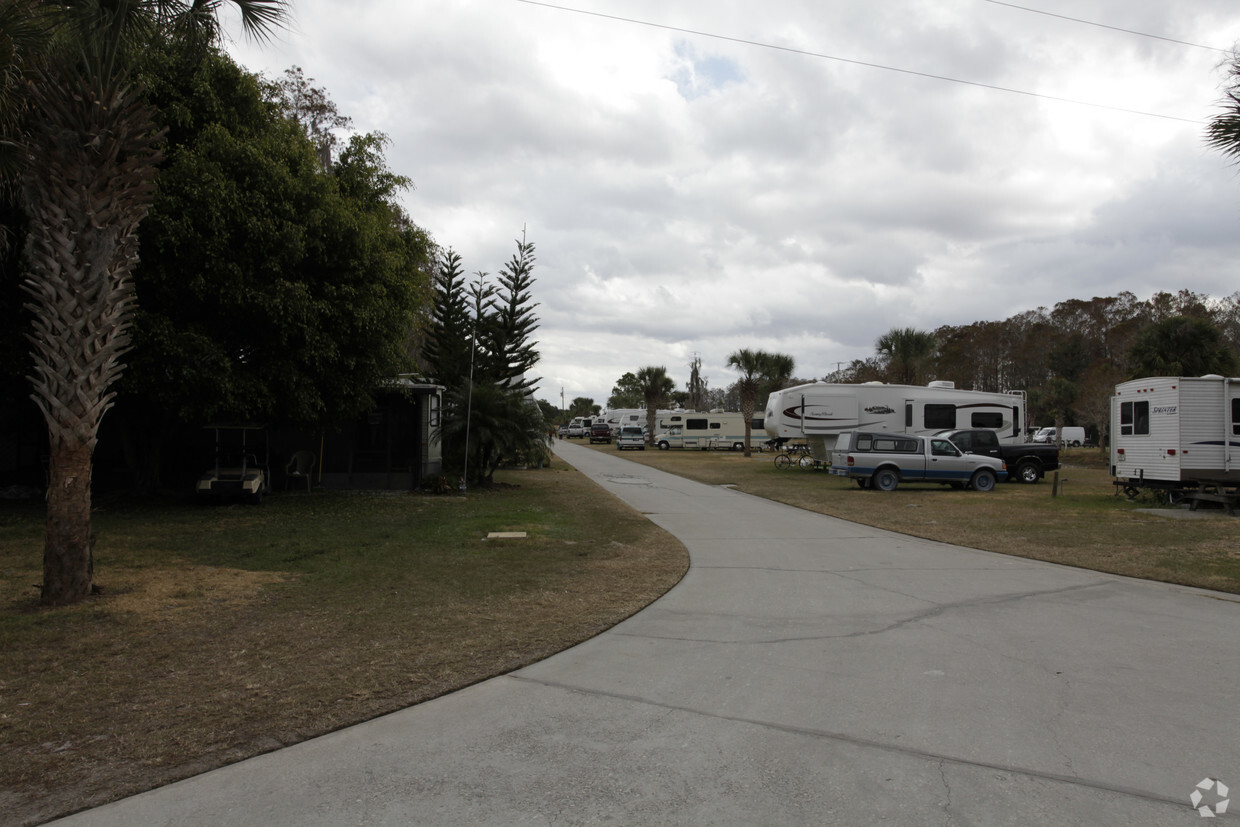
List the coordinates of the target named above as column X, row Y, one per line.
column 723, row 430
column 820, row 411
column 1169, row 430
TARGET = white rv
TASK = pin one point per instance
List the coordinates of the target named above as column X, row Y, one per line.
column 1176, row 429
column 724, row 430
column 820, row 411
column 634, row 416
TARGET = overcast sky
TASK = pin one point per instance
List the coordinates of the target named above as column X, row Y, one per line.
column 720, row 175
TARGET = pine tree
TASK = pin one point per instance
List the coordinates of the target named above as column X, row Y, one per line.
column 512, row 349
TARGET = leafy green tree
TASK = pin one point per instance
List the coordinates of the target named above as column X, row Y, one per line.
column 759, row 371
column 656, row 386
column 906, row 353
column 1181, row 346
column 582, row 406
column 273, row 290
column 86, row 147
column 626, row 393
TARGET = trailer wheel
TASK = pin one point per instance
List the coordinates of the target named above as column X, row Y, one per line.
column 885, row 479
column 1028, row 472
column 983, row 480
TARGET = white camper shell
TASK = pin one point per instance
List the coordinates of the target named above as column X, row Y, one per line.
column 701, row 431
column 1176, row 429
column 820, row 411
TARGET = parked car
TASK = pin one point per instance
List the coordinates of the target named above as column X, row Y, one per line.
column 577, row 431
column 1026, row 462
column 562, row 431
column 1072, row 436
column 631, row 436
column 884, row 460
column 600, row 431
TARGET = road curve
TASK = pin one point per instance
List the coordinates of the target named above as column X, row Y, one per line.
column 805, row 671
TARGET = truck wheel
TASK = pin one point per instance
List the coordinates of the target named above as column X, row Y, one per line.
column 983, row 480
column 885, row 479
column 1076, row 443
column 1027, row 472
column 663, row 445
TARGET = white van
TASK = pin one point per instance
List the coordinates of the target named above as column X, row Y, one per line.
column 1072, row 436
column 631, row 436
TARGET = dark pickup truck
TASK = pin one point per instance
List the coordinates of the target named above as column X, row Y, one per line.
column 1026, row 462
column 600, row 432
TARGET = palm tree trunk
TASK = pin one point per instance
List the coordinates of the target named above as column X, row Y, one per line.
column 89, row 181
column 68, row 550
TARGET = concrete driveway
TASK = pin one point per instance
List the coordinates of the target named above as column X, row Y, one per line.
column 805, row 671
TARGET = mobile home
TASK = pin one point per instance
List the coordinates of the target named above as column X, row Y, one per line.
column 726, row 430
column 1176, row 429
column 820, row 411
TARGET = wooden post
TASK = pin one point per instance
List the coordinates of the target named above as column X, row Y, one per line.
column 1055, row 485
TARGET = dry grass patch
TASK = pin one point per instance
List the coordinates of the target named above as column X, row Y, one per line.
column 226, row 632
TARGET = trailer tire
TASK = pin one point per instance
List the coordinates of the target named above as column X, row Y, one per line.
column 983, row 480
column 1028, row 472
column 885, row 479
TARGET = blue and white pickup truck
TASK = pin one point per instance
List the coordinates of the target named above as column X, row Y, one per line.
column 884, row 460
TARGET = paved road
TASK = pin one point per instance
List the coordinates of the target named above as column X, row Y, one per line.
column 805, row 671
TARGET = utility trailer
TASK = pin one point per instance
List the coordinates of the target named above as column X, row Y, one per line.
column 1178, row 434
column 819, row 412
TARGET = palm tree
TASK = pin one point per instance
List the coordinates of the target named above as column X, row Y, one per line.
column 759, row 371
column 906, row 351
column 656, row 386
column 87, row 154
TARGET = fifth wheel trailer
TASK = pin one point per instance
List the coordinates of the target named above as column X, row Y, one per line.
column 1176, row 430
column 819, row 411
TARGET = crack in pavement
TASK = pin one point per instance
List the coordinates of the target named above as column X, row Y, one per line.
column 936, row 611
column 939, row 759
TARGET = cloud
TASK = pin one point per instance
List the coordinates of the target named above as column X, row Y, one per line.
column 692, row 194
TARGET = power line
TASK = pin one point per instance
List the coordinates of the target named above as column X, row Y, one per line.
column 884, row 67
column 1112, row 28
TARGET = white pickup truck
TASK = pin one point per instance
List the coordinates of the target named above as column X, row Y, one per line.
column 884, row 460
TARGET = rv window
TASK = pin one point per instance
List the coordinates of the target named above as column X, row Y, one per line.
column 982, row 419
column 715, row 426
column 908, row 415
column 1134, row 418
column 940, row 416
column 1235, row 416
column 695, row 424
column 758, row 422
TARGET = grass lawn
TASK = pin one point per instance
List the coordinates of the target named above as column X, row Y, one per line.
column 1086, row 526
column 224, row 632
